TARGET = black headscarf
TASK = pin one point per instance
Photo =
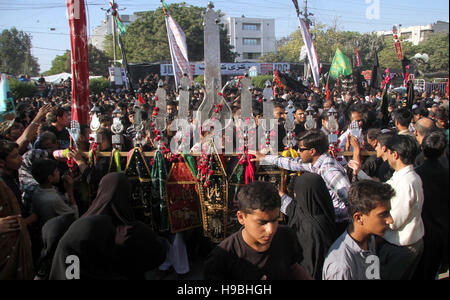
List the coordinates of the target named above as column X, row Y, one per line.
column 52, row 231
column 113, row 199
column 311, row 216
column 91, row 240
column 120, row 246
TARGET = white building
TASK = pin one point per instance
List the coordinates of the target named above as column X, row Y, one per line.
column 251, row 37
column 418, row 34
column 99, row 34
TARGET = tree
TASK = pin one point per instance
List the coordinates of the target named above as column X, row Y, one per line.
column 15, row 53
column 98, row 85
column 146, row 38
column 98, row 63
column 21, row 90
column 326, row 40
column 61, row 63
column 388, row 57
column 436, row 47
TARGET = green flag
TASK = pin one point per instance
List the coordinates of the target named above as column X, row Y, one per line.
column 340, row 65
column 121, row 26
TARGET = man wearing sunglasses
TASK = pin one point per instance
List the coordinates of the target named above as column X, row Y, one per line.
column 314, row 158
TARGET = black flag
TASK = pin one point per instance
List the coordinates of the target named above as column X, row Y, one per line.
column 410, row 100
column 376, row 74
column 405, row 64
column 384, row 112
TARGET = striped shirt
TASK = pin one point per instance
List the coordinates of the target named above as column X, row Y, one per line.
column 332, row 172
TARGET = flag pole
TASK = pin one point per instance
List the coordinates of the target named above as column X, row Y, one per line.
column 164, row 8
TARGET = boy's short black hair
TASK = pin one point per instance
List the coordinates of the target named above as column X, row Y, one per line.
column 301, row 105
column 258, row 195
column 403, row 116
column 47, row 136
column 43, row 168
column 421, row 111
column 383, row 137
column 364, row 195
column 406, row 147
column 373, row 133
column 442, row 114
column 6, row 147
column 316, row 139
column 433, row 144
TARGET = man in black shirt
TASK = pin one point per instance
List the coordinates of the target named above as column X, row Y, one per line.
column 261, row 249
column 60, row 119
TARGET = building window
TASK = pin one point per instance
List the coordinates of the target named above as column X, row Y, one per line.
column 251, row 55
column 251, row 42
column 248, row 26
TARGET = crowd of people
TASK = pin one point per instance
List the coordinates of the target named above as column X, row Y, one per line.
column 383, row 216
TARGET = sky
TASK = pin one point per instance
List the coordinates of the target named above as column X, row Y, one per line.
column 39, row 17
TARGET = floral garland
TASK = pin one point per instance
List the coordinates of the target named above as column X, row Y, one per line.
column 159, row 135
column 93, row 151
column 334, row 150
column 204, row 168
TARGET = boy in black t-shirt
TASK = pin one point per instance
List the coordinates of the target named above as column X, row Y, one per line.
column 261, row 249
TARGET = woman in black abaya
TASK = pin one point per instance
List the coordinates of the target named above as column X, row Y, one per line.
column 311, row 215
column 107, row 239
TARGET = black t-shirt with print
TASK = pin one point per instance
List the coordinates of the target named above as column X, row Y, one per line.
column 234, row 259
column 62, row 137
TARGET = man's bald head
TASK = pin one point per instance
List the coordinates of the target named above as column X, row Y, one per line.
column 423, row 127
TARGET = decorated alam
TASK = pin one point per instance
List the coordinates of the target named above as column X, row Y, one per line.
column 250, row 171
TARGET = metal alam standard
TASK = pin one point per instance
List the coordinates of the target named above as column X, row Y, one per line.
column 177, row 188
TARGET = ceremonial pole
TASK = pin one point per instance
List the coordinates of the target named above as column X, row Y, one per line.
column 80, row 61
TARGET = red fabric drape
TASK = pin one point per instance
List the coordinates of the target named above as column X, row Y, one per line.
column 80, row 68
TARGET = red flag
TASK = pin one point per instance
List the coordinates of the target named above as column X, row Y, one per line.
column 357, row 58
column 80, row 68
column 328, row 93
column 141, row 99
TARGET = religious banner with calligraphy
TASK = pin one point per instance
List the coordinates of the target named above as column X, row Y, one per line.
column 236, row 180
column 397, row 43
column 138, row 173
column 230, row 68
column 80, row 61
column 183, row 203
column 214, row 198
column 274, row 175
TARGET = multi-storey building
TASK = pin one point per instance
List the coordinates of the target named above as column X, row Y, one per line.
column 251, row 37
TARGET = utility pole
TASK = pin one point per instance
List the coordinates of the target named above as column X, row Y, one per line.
column 308, row 23
column 306, row 15
column 110, row 13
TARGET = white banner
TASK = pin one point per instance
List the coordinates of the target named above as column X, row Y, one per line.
column 312, row 55
column 117, row 75
column 231, row 68
column 178, row 50
column 303, row 53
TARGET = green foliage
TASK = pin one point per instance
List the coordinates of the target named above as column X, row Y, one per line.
column 98, row 63
column 437, row 47
column 200, row 79
column 388, row 57
column 146, row 38
column 21, row 89
column 15, row 53
column 97, row 85
column 260, row 81
column 61, row 63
